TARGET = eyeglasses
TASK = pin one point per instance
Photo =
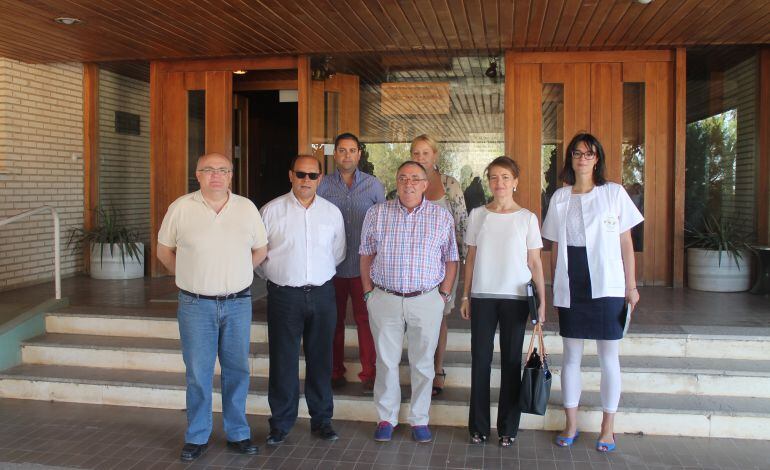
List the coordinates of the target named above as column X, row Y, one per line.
column 208, row 171
column 408, row 180
column 577, row 154
column 301, row 175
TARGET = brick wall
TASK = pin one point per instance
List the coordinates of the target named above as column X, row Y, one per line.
column 124, row 174
column 41, row 163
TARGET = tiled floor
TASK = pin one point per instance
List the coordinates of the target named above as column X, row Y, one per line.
column 661, row 309
column 42, row 435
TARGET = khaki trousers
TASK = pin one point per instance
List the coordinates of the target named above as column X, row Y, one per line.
column 390, row 318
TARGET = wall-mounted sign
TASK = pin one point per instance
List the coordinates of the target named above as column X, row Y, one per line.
column 415, row 98
column 127, row 123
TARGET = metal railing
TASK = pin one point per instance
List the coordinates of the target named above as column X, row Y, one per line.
column 56, row 241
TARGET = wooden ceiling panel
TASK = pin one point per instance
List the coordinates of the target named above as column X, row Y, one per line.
column 127, row 30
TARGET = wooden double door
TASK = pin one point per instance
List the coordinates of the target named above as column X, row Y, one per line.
column 194, row 111
column 626, row 100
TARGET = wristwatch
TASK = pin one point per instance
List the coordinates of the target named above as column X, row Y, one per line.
column 367, row 295
column 446, row 295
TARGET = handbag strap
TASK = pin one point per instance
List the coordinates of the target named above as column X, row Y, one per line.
column 536, row 331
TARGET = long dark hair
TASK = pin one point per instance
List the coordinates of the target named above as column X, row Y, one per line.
column 592, row 143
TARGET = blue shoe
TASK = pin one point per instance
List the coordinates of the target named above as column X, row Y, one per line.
column 421, row 434
column 562, row 441
column 605, row 447
column 384, row 432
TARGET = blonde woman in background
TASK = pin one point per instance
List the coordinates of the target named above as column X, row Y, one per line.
column 445, row 191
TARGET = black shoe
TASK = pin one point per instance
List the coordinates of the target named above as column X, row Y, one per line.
column 325, row 432
column 339, row 382
column 276, row 437
column 191, row 452
column 244, row 447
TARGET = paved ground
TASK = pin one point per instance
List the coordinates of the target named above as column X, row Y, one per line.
column 43, row 435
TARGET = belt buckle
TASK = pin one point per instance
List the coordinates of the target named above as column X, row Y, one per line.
column 307, row 288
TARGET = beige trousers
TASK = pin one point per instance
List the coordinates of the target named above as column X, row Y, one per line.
column 419, row 318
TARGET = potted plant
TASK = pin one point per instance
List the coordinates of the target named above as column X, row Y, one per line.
column 116, row 252
column 718, row 256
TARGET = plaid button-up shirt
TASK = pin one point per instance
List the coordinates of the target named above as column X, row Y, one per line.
column 410, row 249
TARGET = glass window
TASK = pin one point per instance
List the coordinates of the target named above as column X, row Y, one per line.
column 633, row 152
column 552, row 142
column 196, row 134
column 722, row 127
column 449, row 98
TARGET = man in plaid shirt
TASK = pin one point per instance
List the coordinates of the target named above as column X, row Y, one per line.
column 408, row 262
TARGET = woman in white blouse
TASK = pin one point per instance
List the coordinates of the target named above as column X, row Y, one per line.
column 504, row 245
column 590, row 222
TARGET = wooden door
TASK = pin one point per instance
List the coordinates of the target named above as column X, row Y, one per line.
column 191, row 113
column 335, row 109
column 626, row 100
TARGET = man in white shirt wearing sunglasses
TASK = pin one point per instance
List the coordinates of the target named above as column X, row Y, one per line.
column 306, row 242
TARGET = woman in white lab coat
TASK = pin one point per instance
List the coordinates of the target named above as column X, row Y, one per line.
column 589, row 222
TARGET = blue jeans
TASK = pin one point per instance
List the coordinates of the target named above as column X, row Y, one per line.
column 209, row 328
column 309, row 316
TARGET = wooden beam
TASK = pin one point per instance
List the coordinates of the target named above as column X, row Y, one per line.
column 219, row 113
column 230, row 65
column 763, row 195
column 90, row 150
column 588, row 56
column 265, row 85
column 156, row 171
column 680, row 131
column 303, row 105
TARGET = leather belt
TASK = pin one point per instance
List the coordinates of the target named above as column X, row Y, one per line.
column 238, row 295
column 405, row 294
column 306, row 288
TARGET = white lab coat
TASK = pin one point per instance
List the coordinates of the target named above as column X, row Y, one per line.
column 607, row 212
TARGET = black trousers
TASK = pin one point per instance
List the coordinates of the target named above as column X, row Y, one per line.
column 309, row 316
column 512, row 317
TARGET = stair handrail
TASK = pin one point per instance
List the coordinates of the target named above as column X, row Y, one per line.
column 56, row 239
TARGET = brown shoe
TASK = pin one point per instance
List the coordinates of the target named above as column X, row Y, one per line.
column 339, row 382
column 368, row 386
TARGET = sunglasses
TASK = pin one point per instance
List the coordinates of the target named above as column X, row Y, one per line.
column 301, row 175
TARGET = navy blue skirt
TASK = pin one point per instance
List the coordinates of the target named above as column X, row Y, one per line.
column 588, row 318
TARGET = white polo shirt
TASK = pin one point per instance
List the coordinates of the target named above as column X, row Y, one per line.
column 304, row 245
column 213, row 251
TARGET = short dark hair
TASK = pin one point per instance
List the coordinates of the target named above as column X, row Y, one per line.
column 346, row 136
column 504, row 162
column 568, row 174
column 297, row 157
column 412, row 162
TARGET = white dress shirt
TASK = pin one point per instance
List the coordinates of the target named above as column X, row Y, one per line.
column 304, row 246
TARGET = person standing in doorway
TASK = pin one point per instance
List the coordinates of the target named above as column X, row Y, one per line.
column 306, row 242
column 408, row 263
column 445, row 191
column 353, row 192
column 590, row 222
column 212, row 240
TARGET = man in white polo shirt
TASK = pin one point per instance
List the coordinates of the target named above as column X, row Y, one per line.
column 306, row 239
column 212, row 240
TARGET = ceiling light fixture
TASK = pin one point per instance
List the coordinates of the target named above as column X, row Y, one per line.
column 67, row 20
column 239, row 72
column 491, row 71
column 644, row 2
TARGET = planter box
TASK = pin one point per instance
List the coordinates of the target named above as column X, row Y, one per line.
column 704, row 271
column 110, row 266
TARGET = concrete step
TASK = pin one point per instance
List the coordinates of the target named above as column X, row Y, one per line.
column 682, row 345
column 689, row 415
column 696, row 376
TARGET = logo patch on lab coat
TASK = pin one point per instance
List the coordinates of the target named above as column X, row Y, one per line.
column 610, row 223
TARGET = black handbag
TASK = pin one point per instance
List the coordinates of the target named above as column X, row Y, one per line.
column 535, row 387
